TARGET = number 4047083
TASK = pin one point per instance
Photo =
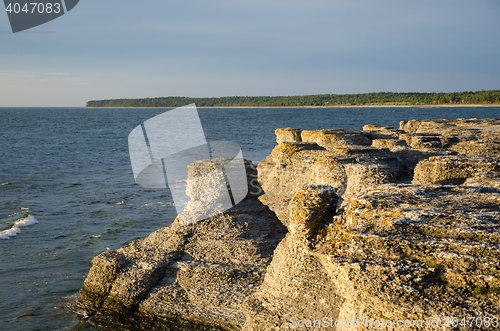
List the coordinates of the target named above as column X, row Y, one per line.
column 34, row 8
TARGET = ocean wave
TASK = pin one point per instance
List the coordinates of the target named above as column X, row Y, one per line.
column 15, row 229
column 156, row 204
column 23, row 211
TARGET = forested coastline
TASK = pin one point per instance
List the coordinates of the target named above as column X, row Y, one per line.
column 491, row 97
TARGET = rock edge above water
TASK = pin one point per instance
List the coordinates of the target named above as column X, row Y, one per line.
column 376, row 224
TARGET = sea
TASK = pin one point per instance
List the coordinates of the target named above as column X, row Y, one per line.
column 67, row 192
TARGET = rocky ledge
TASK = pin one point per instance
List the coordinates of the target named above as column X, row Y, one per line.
column 341, row 229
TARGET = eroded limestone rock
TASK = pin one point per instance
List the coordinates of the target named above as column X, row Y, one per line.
column 362, row 241
column 484, row 179
column 452, row 169
column 336, row 138
column 288, row 135
column 471, row 137
column 308, row 207
column 185, row 277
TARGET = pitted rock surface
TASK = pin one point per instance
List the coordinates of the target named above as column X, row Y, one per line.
column 399, row 224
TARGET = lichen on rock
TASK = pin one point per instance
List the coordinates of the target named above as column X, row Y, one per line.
column 399, row 224
column 288, row 135
column 308, row 207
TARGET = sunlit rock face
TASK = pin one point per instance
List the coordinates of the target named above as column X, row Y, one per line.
column 380, row 224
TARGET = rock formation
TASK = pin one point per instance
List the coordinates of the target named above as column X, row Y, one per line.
column 341, row 229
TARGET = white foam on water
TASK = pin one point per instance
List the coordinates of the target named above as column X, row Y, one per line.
column 155, row 204
column 15, row 229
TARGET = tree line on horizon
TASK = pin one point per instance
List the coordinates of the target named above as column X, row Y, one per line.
column 320, row 100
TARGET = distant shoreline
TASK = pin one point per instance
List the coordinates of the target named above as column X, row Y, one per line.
column 375, row 99
column 336, row 106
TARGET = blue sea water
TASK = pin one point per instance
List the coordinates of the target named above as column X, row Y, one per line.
column 67, row 192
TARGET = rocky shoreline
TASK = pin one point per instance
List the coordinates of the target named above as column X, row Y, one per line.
column 383, row 224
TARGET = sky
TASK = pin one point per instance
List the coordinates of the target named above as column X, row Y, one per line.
column 107, row 49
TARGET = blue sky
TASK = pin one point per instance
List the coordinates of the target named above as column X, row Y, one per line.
column 106, row 49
